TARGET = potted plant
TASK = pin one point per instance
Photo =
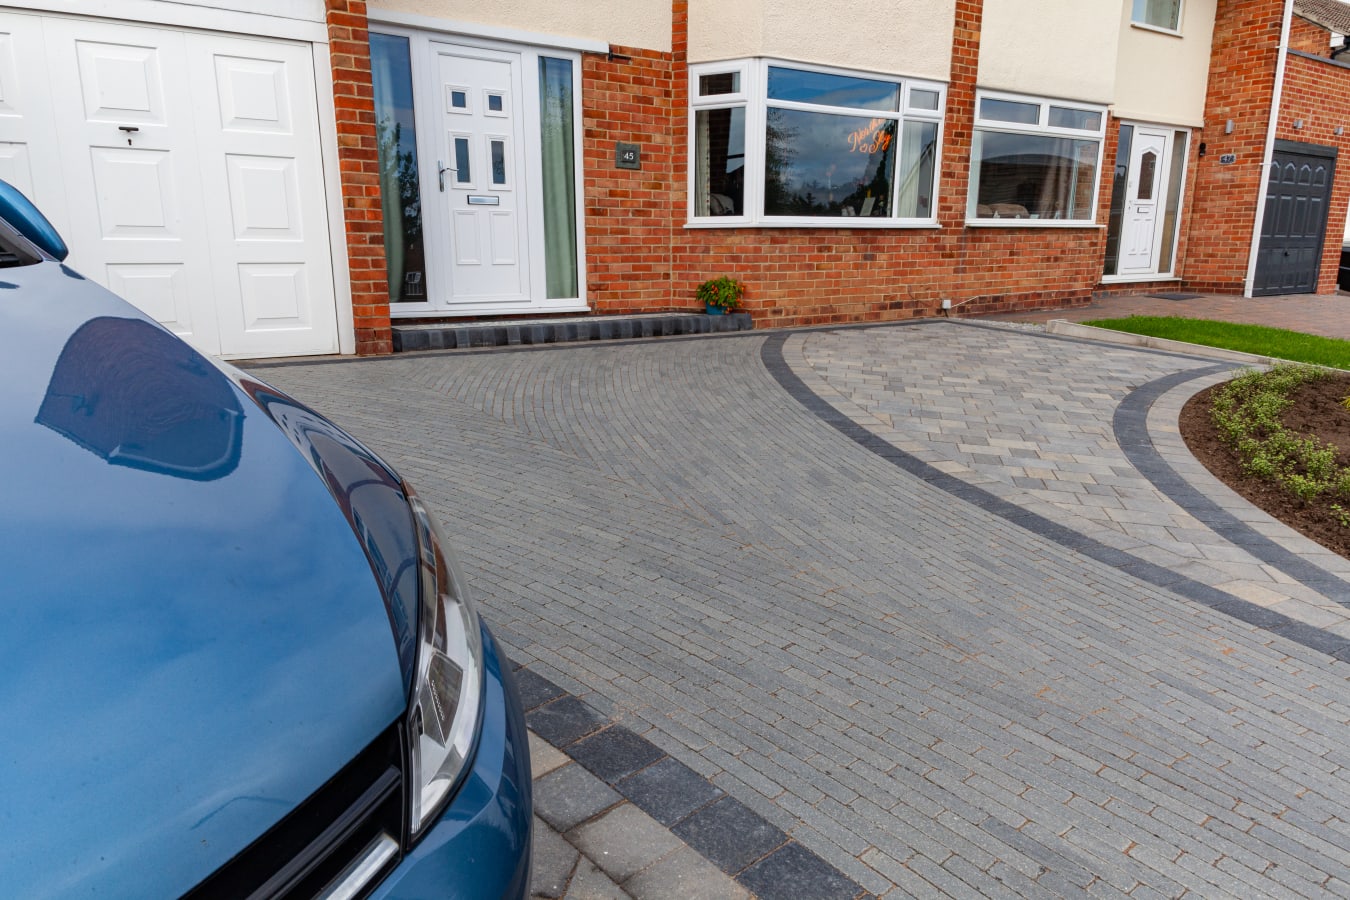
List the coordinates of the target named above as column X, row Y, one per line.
column 720, row 295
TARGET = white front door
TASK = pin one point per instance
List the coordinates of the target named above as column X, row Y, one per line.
column 192, row 176
column 479, row 181
column 1145, row 185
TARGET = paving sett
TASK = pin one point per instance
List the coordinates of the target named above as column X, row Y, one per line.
column 941, row 608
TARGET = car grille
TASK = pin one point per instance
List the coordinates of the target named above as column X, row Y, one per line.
column 339, row 842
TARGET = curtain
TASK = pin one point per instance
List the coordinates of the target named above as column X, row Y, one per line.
column 1163, row 13
column 703, row 190
column 559, row 178
column 916, row 170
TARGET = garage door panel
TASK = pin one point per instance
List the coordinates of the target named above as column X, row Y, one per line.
column 159, row 291
column 28, row 157
column 15, row 167
column 276, row 297
column 122, row 83
column 254, row 95
column 264, row 198
column 137, row 193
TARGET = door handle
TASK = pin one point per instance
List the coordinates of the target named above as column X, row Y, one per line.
column 441, row 169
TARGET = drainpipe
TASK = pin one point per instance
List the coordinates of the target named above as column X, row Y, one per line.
column 1270, row 150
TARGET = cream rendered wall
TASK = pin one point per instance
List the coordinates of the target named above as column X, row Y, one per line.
column 1161, row 77
column 1062, row 49
column 629, row 23
column 897, row 37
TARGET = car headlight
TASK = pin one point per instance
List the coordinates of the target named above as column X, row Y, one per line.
column 448, row 683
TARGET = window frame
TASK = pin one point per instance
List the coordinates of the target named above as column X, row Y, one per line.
column 1042, row 128
column 1149, row 26
column 753, row 99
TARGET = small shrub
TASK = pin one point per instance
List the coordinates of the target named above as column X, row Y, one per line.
column 724, row 292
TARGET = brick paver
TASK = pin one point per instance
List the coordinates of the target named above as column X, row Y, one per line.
column 939, row 669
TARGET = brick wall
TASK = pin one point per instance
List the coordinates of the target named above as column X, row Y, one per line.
column 1317, row 92
column 349, row 46
column 1309, row 37
column 1223, row 207
column 627, row 96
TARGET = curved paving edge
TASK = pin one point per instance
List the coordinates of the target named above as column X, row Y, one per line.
column 1132, row 433
column 1321, row 640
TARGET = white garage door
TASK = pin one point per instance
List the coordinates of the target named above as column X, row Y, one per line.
column 184, row 171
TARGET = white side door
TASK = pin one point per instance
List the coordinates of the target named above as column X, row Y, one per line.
column 132, row 166
column 1145, row 187
column 479, row 177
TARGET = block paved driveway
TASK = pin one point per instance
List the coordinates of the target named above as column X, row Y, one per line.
column 947, row 603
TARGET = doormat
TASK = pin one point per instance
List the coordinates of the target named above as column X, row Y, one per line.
column 1176, row 296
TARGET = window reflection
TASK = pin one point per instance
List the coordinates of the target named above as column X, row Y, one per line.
column 822, row 164
column 832, row 90
column 396, row 142
column 1022, row 176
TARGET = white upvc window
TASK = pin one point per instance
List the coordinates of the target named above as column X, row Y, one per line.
column 778, row 143
column 1164, row 15
column 1034, row 161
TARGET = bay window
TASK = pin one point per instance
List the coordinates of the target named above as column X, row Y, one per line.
column 779, row 144
column 1034, row 161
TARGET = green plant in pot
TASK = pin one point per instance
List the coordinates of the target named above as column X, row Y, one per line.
column 720, row 295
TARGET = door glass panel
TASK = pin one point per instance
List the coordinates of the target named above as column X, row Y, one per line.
column 1116, row 216
column 1148, row 174
column 396, row 146
column 495, row 103
column 497, row 150
column 459, row 99
column 463, row 174
column 1173, row 207
column 558, row 156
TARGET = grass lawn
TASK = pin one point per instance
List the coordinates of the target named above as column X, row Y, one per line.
column 1258, row 339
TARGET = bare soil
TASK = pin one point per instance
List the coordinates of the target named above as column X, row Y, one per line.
column 1316, row 410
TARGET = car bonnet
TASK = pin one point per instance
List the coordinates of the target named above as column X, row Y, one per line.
column 193, row 638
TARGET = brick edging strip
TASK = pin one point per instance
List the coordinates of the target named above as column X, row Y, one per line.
column 739, row 841
column 1321, row 640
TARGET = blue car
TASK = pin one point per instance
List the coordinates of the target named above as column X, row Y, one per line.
column 236, row 655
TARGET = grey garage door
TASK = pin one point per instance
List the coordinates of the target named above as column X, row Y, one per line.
column 1298, row 192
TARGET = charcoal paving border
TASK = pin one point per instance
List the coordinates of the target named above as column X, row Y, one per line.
column 726, row 832
column 1135, row 435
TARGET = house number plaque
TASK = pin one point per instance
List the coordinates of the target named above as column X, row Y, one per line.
column 627, row 156
column 1227, row 159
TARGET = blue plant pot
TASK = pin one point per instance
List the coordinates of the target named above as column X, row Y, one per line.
column 714, row 310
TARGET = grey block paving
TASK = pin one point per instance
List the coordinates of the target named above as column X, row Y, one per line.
column 882, row 647
column 570, row 796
